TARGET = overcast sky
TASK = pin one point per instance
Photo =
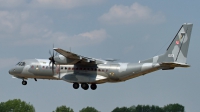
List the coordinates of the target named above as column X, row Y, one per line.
column 126, row 30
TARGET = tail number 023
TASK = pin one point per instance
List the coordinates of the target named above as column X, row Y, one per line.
column 170, row 55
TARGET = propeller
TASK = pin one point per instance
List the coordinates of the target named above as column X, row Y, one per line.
column 52, row 61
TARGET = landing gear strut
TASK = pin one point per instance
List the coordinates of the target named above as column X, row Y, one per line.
column 24, row 82
column 84, row 86
column 75, row 85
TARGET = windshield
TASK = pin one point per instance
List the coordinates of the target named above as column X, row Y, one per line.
column 21, row 64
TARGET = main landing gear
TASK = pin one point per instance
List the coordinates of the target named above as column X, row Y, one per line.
column 84, row 86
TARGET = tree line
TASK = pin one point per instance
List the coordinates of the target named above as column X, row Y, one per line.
column 17, row 105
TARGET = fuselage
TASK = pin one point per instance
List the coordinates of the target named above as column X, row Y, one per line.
column 101, row 73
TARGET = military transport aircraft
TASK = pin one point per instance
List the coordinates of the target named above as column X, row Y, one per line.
column 83, row 71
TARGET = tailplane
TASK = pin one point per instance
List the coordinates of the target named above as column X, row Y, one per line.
column 177, row 51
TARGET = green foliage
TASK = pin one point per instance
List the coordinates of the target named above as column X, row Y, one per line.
column 147, row 108
column 89, row 109
column 63, row 108
column 122, row 109
column 173, row 108
column 16, row 105
column 153, row 108
column 156, row 109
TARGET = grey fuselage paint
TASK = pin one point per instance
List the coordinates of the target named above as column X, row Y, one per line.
column 101, row 73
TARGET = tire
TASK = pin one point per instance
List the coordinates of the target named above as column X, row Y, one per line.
column 24, row 82
column 93, row 86
column 75, row 85
column 85, row 86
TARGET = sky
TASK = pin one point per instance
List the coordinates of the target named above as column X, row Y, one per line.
column 126, row 30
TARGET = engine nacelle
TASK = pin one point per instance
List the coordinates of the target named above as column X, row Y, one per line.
column 62, row 60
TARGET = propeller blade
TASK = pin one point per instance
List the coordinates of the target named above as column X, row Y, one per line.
column 50, row 52
column 53, row 50
column 52, row 67
column 52, row 61
column 49, row 63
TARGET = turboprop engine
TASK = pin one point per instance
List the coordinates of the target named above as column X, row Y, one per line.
column 62, row 60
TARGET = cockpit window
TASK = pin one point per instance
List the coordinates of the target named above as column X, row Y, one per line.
column 18, row 63
column 21, row 64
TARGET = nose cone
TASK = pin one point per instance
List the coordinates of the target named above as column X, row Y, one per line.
column 11, row 71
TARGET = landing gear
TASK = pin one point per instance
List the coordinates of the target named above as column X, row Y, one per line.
column 75, row 85
column 84, row 86
column 24, row 82
column 93, row 86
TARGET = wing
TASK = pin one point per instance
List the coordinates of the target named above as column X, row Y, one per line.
column 81, row 59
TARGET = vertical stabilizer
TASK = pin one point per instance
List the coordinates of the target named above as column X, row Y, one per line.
column 178, row 49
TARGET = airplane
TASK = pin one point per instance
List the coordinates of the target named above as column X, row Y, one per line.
column 84, row 71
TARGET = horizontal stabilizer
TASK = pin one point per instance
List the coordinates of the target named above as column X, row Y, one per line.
column 174, row 64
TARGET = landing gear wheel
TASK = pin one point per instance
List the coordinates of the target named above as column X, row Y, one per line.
column 24, row 82
column 84, row 86
column 75, row 85
column 93, row 86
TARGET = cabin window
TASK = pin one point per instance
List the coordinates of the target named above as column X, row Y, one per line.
column 65, row 68
column 61, row 68
column 99, row 70
column 69, row 68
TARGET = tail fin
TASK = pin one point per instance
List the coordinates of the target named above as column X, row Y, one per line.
column 178, row 49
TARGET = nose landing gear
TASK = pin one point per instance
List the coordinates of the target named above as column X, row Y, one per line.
column 24, row 82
